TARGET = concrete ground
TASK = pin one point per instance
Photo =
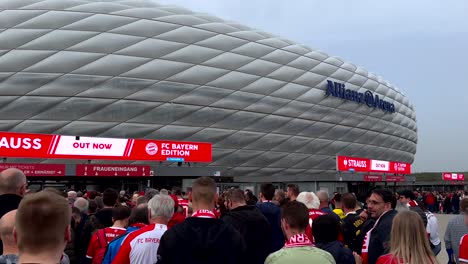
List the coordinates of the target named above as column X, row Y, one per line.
column 443, row 220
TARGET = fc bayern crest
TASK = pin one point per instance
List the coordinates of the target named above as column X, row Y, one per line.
column 151, row 148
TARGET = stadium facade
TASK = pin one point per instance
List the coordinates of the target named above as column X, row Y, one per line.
column 272, row 108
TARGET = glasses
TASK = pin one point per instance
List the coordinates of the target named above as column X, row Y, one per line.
column 370, row 202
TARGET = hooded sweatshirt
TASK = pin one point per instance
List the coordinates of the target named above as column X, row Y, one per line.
column 254, row 228
column 201, row 240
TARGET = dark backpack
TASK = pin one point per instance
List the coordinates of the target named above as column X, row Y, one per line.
column 101, row 236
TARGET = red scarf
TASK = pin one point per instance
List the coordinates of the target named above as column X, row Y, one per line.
column 204, row 214
column 299, row 240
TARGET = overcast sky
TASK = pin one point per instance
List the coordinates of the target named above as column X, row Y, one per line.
column 420, row 46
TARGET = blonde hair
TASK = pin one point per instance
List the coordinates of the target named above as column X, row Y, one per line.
column 409, row 243
column 309, row 199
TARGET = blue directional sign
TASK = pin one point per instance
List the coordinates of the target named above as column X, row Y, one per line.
column 175, row 159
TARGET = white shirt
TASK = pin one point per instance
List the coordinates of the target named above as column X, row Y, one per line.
column 141, row 246
column 433, row 228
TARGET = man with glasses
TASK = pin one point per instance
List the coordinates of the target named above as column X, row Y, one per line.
column 381, row 206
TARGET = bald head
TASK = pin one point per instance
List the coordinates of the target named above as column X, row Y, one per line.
column 7, row 224
column 13, row 181
column 323, row 196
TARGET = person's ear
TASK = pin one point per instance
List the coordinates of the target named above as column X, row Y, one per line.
column 23, row 189
column 284, row 224
column 388, row 206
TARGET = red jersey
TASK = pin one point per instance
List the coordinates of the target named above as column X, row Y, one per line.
column 313, row 214
column 185, row 205
column 387, row 259
column 463, row 255
column 111, row 233
column 413, row 203
column 176, row 219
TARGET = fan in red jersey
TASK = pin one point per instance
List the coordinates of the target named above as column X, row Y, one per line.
column 97, row 246
column 184, row 203
column 312, row 203
column 178, row 216
column 463, row 258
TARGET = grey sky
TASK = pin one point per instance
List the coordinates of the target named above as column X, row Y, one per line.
column 419, row 45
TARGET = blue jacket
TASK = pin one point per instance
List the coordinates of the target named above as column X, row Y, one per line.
column 272, row 213
column 341, row 254
column 114, row 246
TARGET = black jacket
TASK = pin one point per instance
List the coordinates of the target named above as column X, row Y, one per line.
column 341, row 254
column 272, row 212
column 201, row 240
column 379, row 242
column 8, row 202
column 255, row 230
column 351, row 226
column 365, row 227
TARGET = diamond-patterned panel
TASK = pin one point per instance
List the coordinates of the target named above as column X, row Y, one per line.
column 144, row 70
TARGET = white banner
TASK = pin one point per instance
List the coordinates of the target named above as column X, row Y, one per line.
column 69, row 145
column 380, row 165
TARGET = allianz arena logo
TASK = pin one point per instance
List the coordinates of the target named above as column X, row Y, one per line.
column 337, row 89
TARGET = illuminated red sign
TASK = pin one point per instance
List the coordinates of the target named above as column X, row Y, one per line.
column 372, row 178
column 71, row 147
column 395, row 178
column 345, row 163
column 112, row 170
column 36, row 169
column 352, row 164
column 453, row 176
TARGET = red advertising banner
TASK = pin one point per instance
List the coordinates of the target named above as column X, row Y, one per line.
column 112, row 170
column 43, row 146
column 352, row 164
column 446, row 176
column 395, row 178
column 372, row 178
column 36, row 169
column 345, row 163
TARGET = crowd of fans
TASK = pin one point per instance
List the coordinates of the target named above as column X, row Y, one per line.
column 202, row 226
